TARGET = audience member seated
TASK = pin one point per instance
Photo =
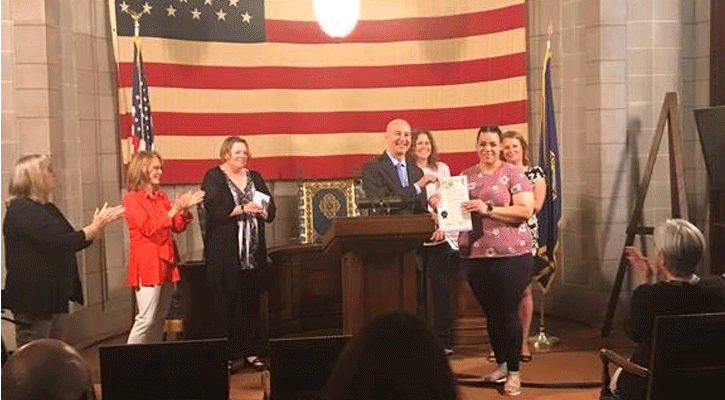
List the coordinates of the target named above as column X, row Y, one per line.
column 670, row 287
column 394, row 357
column 46, row 369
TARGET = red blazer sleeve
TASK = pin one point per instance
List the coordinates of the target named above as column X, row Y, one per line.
column 181, row 220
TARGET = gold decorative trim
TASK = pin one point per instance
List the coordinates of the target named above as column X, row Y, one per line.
column 330, row 206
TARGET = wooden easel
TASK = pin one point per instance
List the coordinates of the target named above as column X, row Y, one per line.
column 671, row 116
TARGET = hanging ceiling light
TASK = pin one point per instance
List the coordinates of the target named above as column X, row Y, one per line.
column 337, row 17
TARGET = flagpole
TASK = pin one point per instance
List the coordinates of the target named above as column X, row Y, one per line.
column 137, row 40
column 542, row 341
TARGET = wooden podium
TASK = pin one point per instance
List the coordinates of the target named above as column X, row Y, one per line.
column 377, row 259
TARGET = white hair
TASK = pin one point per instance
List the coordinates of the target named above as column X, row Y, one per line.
column 681, row 244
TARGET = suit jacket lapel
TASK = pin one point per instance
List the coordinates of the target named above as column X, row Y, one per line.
column 389, row 169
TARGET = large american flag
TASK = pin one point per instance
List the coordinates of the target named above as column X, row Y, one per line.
column 312, row 106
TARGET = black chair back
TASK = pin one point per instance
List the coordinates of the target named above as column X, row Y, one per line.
column 299, row 367
column 688, row 357
column 181, row 370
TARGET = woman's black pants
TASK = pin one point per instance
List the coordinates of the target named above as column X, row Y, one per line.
column 238, row 316
column 498, row 284
column 435, row 273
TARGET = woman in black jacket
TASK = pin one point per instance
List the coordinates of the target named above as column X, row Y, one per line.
column 40, row 247
column 237, row 204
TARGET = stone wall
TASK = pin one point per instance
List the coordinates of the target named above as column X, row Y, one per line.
column 58, row 98
column 614, row 60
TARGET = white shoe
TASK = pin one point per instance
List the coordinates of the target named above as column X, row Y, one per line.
column 495, row 376
column 512, row 387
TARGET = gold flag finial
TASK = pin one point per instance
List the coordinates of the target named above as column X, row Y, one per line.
column 549, row 32
column 136, row 15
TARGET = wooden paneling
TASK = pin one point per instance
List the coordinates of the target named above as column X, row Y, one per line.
column 197, row 301
column 306, row 296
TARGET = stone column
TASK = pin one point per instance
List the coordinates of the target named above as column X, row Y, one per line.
column 58, row 98
column 613, row 62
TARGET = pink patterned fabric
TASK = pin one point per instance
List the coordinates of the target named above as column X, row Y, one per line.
column 491, row 237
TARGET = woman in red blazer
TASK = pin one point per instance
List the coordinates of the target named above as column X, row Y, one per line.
column 153, row 258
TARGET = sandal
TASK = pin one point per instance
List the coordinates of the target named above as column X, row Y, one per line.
column 512, row 387
column 495, row 376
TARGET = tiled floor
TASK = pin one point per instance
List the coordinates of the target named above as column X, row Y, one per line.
column 574, row 360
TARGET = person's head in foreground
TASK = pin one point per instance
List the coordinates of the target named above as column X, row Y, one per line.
column 394, row 357
column 46, row 369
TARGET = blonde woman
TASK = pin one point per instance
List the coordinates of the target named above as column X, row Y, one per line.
column 153, row 258
column 515, row 151
column 40, row 246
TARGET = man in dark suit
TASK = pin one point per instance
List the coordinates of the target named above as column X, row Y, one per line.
column 392, row 175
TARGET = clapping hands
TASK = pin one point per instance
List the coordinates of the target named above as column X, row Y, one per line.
column 101, row 218
column 254, row 208
column 639, row 262
column 106, row 215
column 185, row 201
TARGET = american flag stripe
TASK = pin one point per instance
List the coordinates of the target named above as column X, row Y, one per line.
column 404, row 29
column 319, row 145
column 332, row 122
column 242, row 55
column 334, row 100
column 315, row 108
column 213, row 77
column 176, row 171
column 372, row 10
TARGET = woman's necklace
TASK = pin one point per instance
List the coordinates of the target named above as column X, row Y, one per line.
column 239, row 178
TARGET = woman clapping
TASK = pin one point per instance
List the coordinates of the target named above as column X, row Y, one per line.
column 40, row 247
column 153, row 259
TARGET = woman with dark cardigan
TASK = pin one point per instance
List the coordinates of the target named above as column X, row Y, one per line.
column 237, row 205
column 40, row 251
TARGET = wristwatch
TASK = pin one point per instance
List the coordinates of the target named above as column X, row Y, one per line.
column 489, row 207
